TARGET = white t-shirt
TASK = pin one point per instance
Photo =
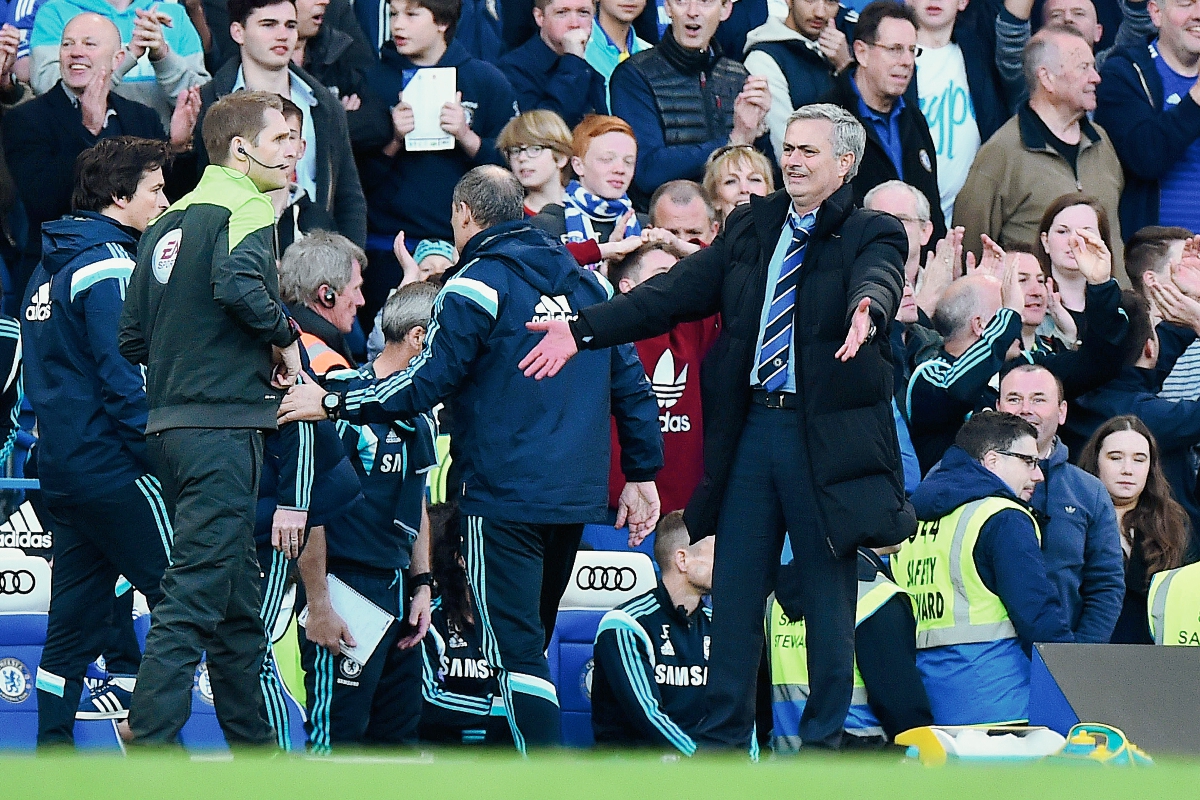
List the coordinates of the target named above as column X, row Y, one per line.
column 947, row 106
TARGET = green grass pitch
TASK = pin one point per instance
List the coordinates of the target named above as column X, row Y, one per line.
column 449, row 775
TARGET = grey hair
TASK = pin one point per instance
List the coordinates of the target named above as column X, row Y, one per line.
column 956, row 308
column 1043, row 51
column 680, row 193
column 493, row 194
column 409, row 307
column 321, row 258
column 849, row 136
column 923, row 210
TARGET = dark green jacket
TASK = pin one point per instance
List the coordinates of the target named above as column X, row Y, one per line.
column 202, row 309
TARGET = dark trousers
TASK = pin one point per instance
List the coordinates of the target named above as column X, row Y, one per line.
column 211, row 596
column 376, row 703
column 122, row 653
column 126, row 532
column 771, row 491
column 518, row 572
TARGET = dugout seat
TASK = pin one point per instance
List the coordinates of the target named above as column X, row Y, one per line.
column 24, row 603
column 600, row 581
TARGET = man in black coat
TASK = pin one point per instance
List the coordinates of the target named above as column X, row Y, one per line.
column 798, row 432
column 876, row 92
column 43, row 137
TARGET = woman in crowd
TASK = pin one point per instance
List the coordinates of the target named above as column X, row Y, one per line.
column 537, row 146
column 1062, row 218
column 733, row 173
column 596, row 207
column 1123, row 454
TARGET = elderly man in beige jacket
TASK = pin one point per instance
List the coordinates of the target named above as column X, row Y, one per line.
column 1048, row 149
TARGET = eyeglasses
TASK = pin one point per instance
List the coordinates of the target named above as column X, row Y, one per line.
column 898, row 50
column 530, row 151
column 907, row 218
column 1030, row 461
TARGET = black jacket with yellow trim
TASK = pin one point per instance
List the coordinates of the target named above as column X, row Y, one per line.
column 202, row 309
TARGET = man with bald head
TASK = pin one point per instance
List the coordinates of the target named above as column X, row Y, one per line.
column 1013, row 29
column 980, row 318
column 43, row 137
column 1048, row 149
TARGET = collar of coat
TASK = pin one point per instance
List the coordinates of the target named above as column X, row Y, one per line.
column 1034, row 138
column 770, row 212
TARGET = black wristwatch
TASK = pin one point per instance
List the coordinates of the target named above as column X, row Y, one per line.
column 421, row 579
column 332, row 403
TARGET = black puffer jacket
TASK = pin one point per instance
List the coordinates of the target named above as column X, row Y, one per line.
column 845, row 411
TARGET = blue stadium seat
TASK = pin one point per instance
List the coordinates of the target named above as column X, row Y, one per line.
column 606, row 537
column 23, row 607
column 583, row 605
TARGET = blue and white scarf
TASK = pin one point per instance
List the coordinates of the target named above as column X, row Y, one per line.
column 581, row 207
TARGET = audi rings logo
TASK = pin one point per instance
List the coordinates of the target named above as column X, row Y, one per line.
column 16, row 581
column 612, row 579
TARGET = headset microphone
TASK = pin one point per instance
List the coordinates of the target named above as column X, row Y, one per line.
column 242, row 150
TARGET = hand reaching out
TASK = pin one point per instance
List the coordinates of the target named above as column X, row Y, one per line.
column 552, row 353
column 638, row 507
column 861, row 329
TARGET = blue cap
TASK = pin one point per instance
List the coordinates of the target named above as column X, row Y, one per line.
column 434, row 247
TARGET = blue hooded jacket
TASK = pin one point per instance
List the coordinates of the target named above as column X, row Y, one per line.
column 1081, row 545
column 988, row 682
column 89, row 401
column 530, row 451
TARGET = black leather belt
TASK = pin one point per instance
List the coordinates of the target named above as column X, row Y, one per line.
column 783, row 400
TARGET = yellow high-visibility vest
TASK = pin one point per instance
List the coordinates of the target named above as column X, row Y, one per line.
column 936, row 567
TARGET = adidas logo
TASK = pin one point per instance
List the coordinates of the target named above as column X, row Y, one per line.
column 668, row 387
column 392, row 437
column 39, row 304
column 557, row 307
column 24, row 531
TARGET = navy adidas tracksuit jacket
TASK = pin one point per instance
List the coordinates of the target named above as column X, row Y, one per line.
column 378, row 531
column 90, row 400
column 651, row 670
column 529, row 451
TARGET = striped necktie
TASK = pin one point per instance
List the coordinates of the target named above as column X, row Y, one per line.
column 777, row 338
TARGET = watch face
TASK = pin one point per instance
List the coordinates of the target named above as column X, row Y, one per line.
column 330, row 401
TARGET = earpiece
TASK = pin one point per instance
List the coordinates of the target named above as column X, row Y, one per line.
column 328, row 297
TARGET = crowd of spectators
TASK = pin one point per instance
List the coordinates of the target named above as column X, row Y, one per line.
column 1044, row 163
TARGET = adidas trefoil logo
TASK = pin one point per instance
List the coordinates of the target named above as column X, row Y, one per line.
column 668, row 387
column 557, row 307
column 39, row 304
